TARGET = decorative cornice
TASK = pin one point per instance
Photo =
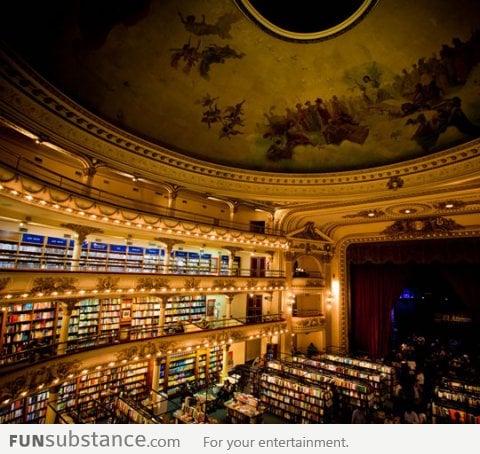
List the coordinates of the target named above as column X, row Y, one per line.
column 36, row 379
column 150, row 283
column 192, row 283
column 421, row 227
column 303, row 325
column 24, row 94
column 49, row 285
column 169, row 242
column 225, row 283
column 82, row 230
column 107, row 283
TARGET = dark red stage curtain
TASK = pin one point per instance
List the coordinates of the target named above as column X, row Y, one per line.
column 375, row 289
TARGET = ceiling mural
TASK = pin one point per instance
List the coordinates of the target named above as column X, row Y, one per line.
column 204, row 79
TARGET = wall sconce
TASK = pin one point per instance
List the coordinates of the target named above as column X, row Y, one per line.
column 330, row 299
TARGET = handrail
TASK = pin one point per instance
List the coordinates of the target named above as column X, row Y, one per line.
column 47, row 177
column 36, row 354
column 16, row 260
column 307, row 313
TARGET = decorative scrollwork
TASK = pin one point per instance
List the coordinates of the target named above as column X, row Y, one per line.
column 4, row 281
column 149, row 283
column 106, row 283
column 252, row 283
column 224, row 283
column 422, row 226
column 276, row 283
column 51, row 285
column 192, row 283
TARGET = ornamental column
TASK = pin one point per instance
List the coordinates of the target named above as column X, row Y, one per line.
column 66, row 308
column 232, row 250
column 169, row 243
column 224, row 372
column 228, row 307
column 82, row 232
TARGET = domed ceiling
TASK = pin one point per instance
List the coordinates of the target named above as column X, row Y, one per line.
column 241, row 84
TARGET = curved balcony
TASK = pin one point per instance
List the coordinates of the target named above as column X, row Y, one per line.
column 47, row 285
column 305, row 322
column 307, row 279
column 47, row 370
column 18, row 172
column 37, row 351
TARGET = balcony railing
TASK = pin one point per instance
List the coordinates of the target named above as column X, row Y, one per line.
column 38, row 174
column 37, row 352
column 11, row 259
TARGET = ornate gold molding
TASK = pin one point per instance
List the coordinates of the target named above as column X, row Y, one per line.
column 51, row 285
column 303, row 325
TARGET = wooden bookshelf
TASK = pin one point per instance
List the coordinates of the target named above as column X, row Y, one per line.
column 387, row 372
column 128, row 411
column 180, row 369
column 145, row 313
column 28, row 325
column 185, row 308
column 30, row 409
column 348, row 393
column 379, row 380
column 85, row 393
column 456, row 399
column 201, row 368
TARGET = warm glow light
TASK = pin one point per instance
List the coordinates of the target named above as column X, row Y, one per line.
column 335, row 288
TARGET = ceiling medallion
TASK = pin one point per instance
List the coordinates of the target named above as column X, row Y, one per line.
column 412, row 208
column 304, row 20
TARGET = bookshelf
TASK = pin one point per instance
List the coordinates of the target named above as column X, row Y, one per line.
column 201, row 368
column 28, row 250
column 94, row 256
column 215, row 364
column 185, row 308
column 379, row 380
column 145, row 314
column 456, row 399
column 57, row 253
column 86, row 393
column 28, row 325
column 27, row 410
column 348, row 393
column 297, row 402
column 387, row 372
column 9, row 242
column 117, row 257
column 36, row 407
column 135, row 258
column 84, row 322
column 181, row 369
column 128, row 411
column 109, row 318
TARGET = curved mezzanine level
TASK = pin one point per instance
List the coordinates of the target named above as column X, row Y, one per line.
column 64, row 280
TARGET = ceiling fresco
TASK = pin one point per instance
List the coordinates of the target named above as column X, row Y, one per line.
column 203, row 79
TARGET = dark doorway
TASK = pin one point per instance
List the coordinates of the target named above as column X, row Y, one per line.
column 254, row 308
column 257, row 266
column 257, row 226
